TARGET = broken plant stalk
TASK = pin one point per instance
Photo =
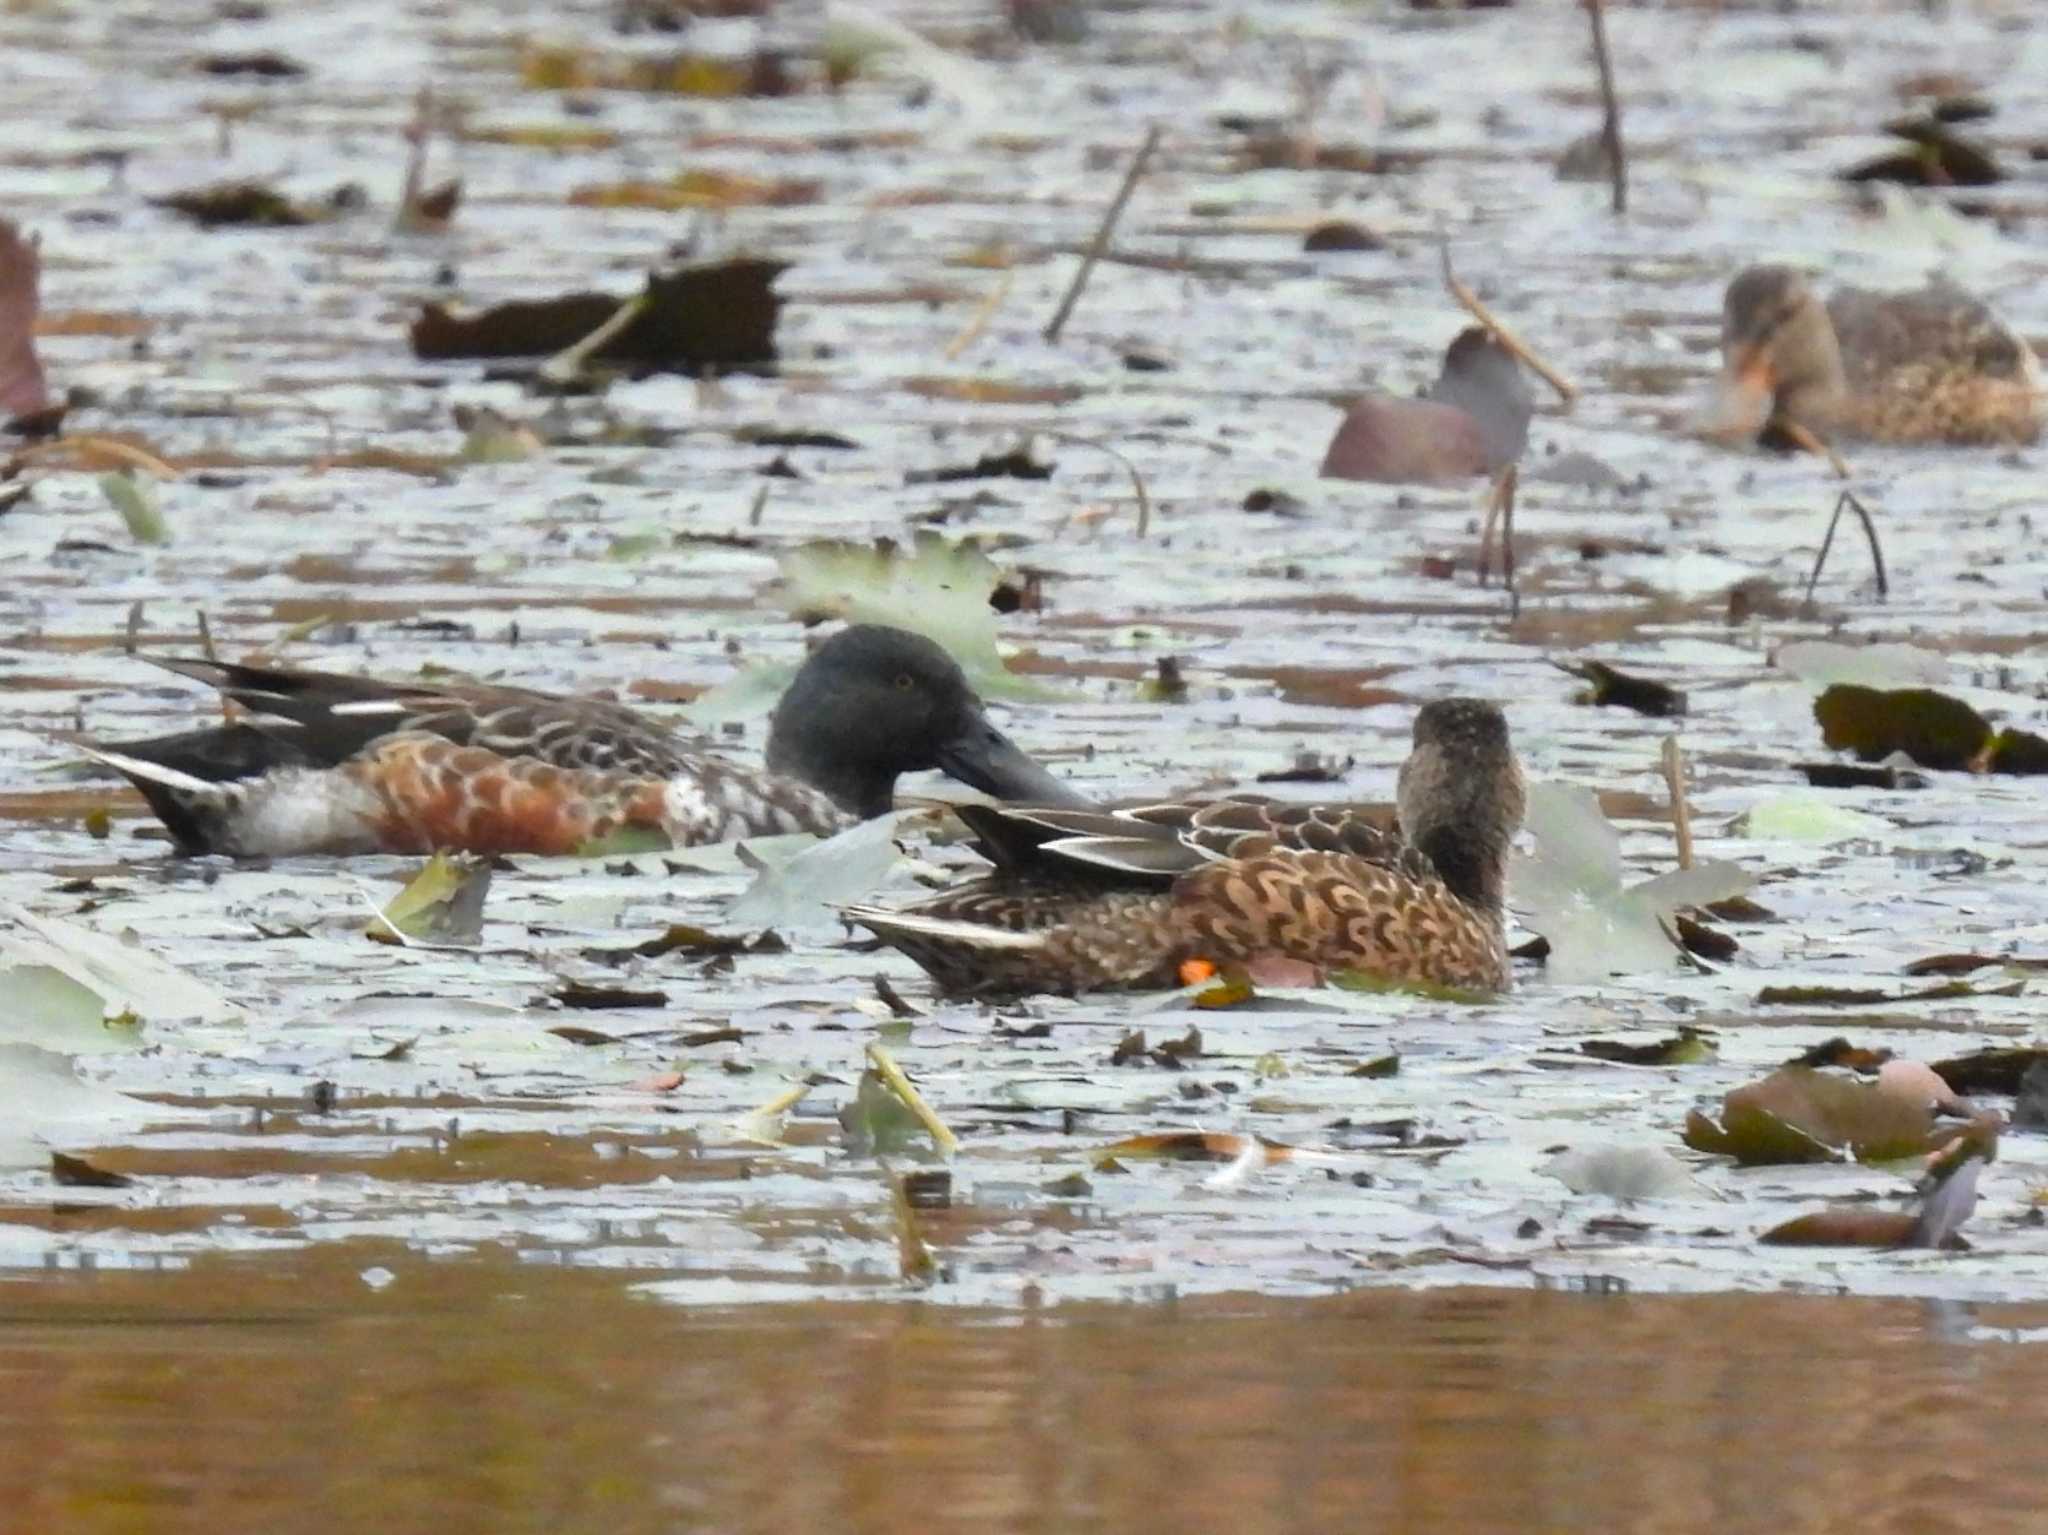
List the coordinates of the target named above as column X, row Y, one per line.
column 112, row 447
column 1610, row 104
column 567, row 364
column 893, row 1078
column 1103, row 231
column 1137, row 479
column 1469, row 301
column 984, row 312
column 1847, row 501
column 1681, row 808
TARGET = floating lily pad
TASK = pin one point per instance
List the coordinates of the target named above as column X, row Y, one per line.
column 937, row 587
column 1800, row 1115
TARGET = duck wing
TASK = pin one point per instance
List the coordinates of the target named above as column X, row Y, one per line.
column 338, row 716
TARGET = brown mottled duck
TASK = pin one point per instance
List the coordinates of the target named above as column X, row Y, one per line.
column 1123, row 900
column 1930, row 366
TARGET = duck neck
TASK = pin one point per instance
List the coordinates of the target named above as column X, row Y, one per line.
column 1471, row 864
column 859, row 788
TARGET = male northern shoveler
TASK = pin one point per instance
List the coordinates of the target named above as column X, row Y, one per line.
column 1933, row 366
column 1083, row 900
column 1474, row 420
column 354, row 765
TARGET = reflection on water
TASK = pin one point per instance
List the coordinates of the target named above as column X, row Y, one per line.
column 491, row 1396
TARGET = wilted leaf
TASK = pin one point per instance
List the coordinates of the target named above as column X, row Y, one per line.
column 1934, row 729
column 576, row 1035
column 558, row 68
column 1935, row 156
column 1688, row 1047
column 1800, row 1115
column 78, row 1173
column 442, row 904
column 991, row 391
column 561, row 137
column 578, row 994
column 1191, row 1146
column 677, row 937
column 23, row 391
column 697, row 189
column 239, row 203
column 1017, row 464
column 1862, row 996
column 1997, row 1070
column 718, row 316
column 1610, row 685
column 1846, row 1226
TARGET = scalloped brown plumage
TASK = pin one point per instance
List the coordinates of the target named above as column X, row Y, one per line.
column 1119, row 900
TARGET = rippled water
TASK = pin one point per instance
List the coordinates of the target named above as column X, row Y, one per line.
column 365, row 1096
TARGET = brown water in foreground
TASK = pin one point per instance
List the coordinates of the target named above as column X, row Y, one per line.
column 482, row 1396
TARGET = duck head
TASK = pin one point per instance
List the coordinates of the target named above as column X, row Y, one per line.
column 1780, row 359
column 1460, row 796
column 874, row 702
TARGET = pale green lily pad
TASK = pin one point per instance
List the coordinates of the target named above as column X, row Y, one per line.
column 1570, row 890
column 126, row 977
column 134, row 496
column 49, row 1106
column 49, row 1008
column 806, row 888
column 1810, row 818
column 936, row 587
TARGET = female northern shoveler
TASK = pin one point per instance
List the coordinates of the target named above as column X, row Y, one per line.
column 1084, row 900
column 1935, row 366
column 1475, row 420
column 354, row 765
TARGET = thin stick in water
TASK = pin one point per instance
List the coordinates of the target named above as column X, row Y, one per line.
column 1469, row 301
column 984, row 312
column 1610, row 122
column 1681, row 809
column 1847, row 502
column 1102, row 233
column 1509, row 478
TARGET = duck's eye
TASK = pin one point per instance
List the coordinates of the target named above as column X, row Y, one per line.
column 905, row 682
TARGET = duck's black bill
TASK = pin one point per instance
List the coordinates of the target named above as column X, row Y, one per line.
column 983, row 758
